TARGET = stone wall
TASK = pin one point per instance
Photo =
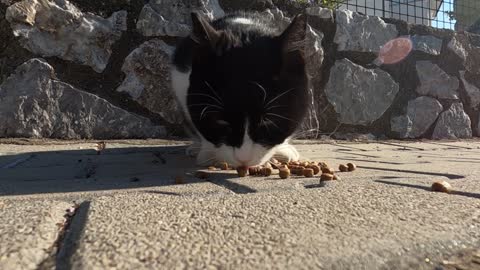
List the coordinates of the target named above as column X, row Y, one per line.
column 99, row 69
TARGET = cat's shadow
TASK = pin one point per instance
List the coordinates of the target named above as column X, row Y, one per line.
column 84, row 170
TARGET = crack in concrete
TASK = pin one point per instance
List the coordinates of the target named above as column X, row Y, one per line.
column 64, row 228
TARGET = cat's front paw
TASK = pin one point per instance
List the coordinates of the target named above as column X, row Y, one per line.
column 286, row 153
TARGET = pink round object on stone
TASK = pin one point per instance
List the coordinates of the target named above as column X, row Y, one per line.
column 394, row 51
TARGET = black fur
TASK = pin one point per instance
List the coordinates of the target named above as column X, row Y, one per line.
column 245, row 73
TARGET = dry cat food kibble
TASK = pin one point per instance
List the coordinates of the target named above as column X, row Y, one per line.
column 327, row 177
column 284, row 173
column 308, row 172
column 224, row 166
column 242, row 171
column 328, row 170
column 351, row 167
column 260, row 171
column 442, row 186
column 100, row 147
column 343, row 168
column 212, row 168
column 323, row 165
column 316, row 169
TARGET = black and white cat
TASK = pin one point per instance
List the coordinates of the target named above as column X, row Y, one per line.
column 242, row 85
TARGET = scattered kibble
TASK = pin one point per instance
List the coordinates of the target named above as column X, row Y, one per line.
column 326, row 177
column 316, row 169
column 343, row 168
column 336, row 177
column 224, row 166
column 441, row 186
column 242, row 171
column 100, row 147
column 212, row 168
column 266, row 171
column 284, row 173
column 323, row 165
column 351, row 167
column 328, row 170
column 308, row 172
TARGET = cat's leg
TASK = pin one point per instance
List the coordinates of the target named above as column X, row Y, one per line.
column 286, row 153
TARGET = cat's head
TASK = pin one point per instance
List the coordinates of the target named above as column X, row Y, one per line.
column 248, row 91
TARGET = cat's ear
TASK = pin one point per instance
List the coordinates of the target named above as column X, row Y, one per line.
column 203, row 32
column 293, row 38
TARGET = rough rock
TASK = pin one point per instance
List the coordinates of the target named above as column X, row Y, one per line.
column 172, row 17
column 401, row 125
column 435, row 82
column 454, row 123
column 466, row 46
column 421, row 114
column 324, row 13
column 315, row 56
column 427, row 44
column 34, row 104
column 473, row 92
column 359, row 95
column 58, row 28
column 276, row 15
column 148, row 79
column 356, row 32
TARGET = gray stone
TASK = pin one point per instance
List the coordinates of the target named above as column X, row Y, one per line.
column 457, row 47
column 359, row 95
column 465, row 46
column 435, row 82
column 427, row 44
column 315, row 57
column 402, row 125
column 356, row 32
column 453, row 124
column 148, row 79
column 34, row 104
column 421, row 114
column 58, row 28
column 276, row 15
column 324, row 13
column 172, row 17
column 473, row 92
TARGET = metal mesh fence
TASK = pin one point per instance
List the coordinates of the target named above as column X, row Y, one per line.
column 449, row 14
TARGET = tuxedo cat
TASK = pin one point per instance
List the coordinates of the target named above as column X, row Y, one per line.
column 242, row 85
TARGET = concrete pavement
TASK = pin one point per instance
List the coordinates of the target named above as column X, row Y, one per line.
column 133, row 215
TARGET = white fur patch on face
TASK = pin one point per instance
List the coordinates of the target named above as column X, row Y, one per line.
column 242, row 21
column 248, row 154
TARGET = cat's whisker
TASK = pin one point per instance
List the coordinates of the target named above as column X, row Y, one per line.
column 279, row 116
column 273, row 107
column 204, row 112
column 213, row 90
column 306, row 132
column 263, row 89
column 279, row 96
column 205, row 104
column 273, row 123
column 209, row 96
